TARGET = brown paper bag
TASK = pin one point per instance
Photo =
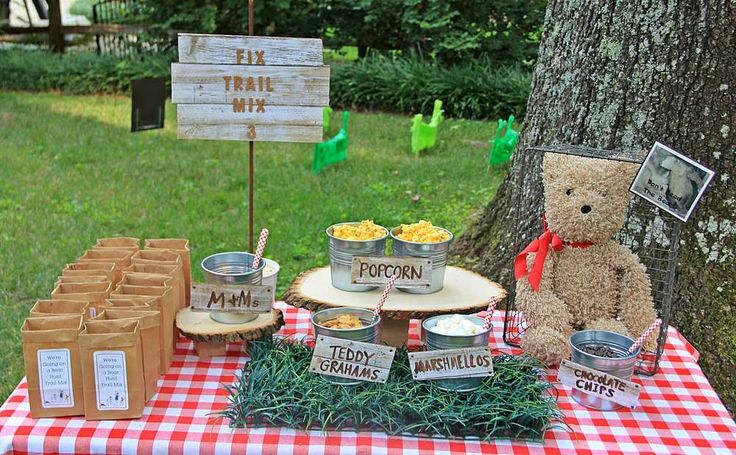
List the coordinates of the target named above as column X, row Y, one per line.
column 121, row 258
column 180, row 246
column 162, row 269
column 112, row 365
column 52, row 362
column 129, row 301
column 46, row 308
column 164, row 257
column 90, row 268
column 150, row 326
column 94, row 293
column 123, row 243
column 152, row 279
column 164, row 303
column 66, row 279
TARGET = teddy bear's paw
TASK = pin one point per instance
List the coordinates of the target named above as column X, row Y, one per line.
column 610, row 325
column 546, row 345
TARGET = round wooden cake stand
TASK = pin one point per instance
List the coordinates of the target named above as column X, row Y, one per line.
column 464, row 292
column 210, row 337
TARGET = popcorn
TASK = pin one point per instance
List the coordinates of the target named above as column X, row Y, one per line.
column 365, row 230
column 456, row 325
column 422, row 232
column 344, row 321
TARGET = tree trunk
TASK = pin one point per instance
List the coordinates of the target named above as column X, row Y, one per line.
column 624, row 74
column 56, row 37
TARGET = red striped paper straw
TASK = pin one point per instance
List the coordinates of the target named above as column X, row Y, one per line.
column 489, row 312
column 259, row 249
column 384, row 295
column 639, row 341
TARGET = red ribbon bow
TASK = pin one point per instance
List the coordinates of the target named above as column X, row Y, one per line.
column 540, row 246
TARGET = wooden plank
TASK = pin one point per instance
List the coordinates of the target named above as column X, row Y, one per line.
column 201, row 48
column 372, row 270
column 223, row 115
column 599, row 384
column 93, row 29
column 231, row 298
column 277, row 85
column 451, row 363
column 352, row 359
column 255, row 133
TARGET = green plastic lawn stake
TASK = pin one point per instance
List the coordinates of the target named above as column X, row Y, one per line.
column 326, row 113
column 423, row 135
column 502, row 147
column 332, row 150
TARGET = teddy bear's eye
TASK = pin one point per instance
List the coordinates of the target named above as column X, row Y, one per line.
column 569, row 191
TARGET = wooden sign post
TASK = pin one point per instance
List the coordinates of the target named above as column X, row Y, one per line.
column 451, row 363
column 599, row 384
column 232, row 298
column 250, row 88
column 352, row 359
column 375, row 270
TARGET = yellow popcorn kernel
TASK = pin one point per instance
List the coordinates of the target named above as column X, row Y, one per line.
column 365, row 230
column 422, row 232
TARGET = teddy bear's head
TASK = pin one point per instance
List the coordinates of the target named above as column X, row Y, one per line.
column 585, row 199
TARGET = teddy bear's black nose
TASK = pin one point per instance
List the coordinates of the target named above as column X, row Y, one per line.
column 585, row 209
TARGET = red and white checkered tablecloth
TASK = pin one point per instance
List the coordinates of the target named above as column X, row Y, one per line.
column 678, row 413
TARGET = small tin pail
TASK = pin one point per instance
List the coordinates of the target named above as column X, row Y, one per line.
column 271, row 276
column 436, row 342
column 341, row 257
column 233, row 267
column 369, row 333
column 437, row 252
column 621, row 367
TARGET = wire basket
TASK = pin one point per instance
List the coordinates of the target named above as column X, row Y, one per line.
column 650, row 233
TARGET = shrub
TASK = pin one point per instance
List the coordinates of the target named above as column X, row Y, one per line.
column 82, row 72
column 477, row 89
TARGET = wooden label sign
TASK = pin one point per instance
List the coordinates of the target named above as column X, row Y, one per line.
column 352, row 359
column 372, row 270
column 232, row 298
column 599, row 384
column 250, row 88
column 451, row 363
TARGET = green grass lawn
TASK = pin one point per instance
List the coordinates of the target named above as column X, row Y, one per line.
column 71, row 172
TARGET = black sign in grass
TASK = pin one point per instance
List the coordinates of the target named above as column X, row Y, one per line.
column 276, row 389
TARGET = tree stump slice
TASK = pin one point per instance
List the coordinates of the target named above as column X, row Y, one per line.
column 199, row 327
column 464, row 292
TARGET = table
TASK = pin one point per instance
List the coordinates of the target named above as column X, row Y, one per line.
column 678, row 412
column 464, row 292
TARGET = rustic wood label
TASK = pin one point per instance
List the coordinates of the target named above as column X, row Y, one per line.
column 599, row 384
column 250, row 88
column 451, row 363
column 232, row 298
column 352, row 359
column 372, row 270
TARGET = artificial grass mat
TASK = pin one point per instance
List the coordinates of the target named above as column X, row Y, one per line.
column 276, row 388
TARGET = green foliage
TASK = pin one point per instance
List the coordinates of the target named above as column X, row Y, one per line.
column 77, row 72
column 477, row 89
column 83, row 8
column 277, row 388
column 72, row 172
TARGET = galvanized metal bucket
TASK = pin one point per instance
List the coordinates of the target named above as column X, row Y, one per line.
column 437, row 252
column 341, row 257
column 621, row 367
column 369, row 333
column 234, row 267
column 436, row 342
column 271, row 276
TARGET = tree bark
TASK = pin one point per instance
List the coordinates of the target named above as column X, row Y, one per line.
column 56, row 37
column 624, row 74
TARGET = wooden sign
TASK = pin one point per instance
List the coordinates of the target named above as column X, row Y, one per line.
column 352, row 359
column 373, row 270
column 472, row 362
column 599, row 384
column 250, row 88
column 232, row 298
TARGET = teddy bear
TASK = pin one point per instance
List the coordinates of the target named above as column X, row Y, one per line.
column 575, row 276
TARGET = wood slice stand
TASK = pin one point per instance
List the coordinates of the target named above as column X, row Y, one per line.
column 210, row 337
column 464, row 292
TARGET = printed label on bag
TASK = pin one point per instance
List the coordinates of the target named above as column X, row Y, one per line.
column 55, row 378
column 111, row 380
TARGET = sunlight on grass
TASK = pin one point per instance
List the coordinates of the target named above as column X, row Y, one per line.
column 71, row 172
